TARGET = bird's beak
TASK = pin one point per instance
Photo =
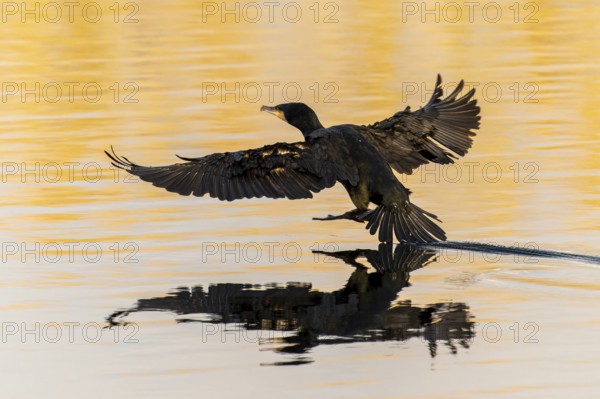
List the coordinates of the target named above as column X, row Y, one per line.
column 274, row 111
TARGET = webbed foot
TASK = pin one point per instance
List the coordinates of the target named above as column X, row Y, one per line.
column 355, row 215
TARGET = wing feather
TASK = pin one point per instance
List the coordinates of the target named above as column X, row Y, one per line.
column 439, row 132
column 280, row 170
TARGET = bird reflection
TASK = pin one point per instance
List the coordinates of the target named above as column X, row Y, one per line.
column 365, row 309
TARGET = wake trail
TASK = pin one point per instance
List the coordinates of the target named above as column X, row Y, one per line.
column 513, row 250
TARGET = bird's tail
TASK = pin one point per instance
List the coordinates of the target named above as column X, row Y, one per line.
column 408, row 223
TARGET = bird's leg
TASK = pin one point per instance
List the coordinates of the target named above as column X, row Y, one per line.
column 354, row 215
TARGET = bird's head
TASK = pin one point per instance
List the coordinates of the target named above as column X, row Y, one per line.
column 299, row 115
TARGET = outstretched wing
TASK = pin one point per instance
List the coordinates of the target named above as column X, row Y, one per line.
column 279, row 170
column 439, row 132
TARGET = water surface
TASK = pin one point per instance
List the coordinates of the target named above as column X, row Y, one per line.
column 169, row 271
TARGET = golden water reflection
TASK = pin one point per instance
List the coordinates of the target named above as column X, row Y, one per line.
column 538, row 89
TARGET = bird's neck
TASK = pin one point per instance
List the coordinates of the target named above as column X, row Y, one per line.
column 308, row 132
column 310, row 125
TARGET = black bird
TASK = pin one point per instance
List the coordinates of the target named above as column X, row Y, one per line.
column 359, row 157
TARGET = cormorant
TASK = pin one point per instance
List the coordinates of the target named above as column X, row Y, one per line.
column 359, row 157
